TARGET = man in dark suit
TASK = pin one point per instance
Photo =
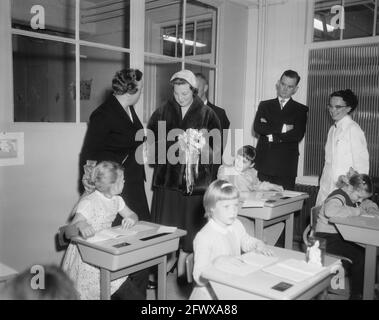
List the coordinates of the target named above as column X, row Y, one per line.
column 202, row 85
column 281, row 124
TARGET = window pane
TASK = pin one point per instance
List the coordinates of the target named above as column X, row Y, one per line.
column 204, row 36
column 322, row 25
column 59, row 16
column 157, row 88
column 203, row 17
column 44, row 80
column 97, row 69
column 161, row 20
column 189, row 43
column 359, row 21
column 105, row 22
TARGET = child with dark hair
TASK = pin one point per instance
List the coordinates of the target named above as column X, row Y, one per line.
column 53, row 284
column 243, row 175
column 344, row 202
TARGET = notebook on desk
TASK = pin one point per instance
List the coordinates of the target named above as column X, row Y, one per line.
column 294, row 270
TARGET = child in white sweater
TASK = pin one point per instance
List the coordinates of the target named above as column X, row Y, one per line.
column 223, row 235
column 243, row 175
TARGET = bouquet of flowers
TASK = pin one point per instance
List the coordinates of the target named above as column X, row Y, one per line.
column 191, row 142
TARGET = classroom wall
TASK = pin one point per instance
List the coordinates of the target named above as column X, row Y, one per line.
column 284, row 47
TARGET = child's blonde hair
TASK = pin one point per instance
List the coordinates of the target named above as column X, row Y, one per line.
column 218, row 190
column 359, row 181
column 105, row 174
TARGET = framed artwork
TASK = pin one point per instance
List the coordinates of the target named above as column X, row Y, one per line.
column 11, row 148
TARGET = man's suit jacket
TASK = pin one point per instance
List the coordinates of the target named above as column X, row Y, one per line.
column 279, row 157
column 224, row 121
column 111, row 136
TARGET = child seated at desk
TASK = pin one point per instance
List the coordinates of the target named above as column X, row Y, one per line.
column 223, row 235
column 95, row 212
column 343, row 202
column 243, row 175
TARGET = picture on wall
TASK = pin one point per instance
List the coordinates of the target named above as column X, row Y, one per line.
column 11, row 148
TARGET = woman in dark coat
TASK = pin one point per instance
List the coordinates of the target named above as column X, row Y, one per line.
column 175, row 203
column 111, row 136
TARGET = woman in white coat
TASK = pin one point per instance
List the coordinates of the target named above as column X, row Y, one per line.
column 346, row 144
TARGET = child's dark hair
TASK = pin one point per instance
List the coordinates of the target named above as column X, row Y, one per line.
column 247, row 152
column 56, row 285
column 358, row 181
column 218, row 190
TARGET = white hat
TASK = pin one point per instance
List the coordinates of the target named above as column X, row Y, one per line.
column 186, row 75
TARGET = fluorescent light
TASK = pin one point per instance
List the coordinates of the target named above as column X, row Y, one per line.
column 317, row 24
column 187, row 42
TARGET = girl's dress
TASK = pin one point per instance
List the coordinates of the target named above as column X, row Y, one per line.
column 99, row 211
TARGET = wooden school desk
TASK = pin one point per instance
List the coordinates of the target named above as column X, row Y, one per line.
column 258, row 284
column 269, row 212
column 127, row 254
column 365, row 231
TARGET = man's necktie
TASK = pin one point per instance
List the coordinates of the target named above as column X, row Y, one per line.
column 282, row 101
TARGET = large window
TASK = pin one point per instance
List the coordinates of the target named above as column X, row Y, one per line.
column 331, row 69
column 65, row 53
column 360, row 19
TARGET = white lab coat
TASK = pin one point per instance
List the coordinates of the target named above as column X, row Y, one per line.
column 345, row 147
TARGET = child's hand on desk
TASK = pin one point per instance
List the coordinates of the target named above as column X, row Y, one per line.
column 261, row 248
column 128, row 223
column 85, row 229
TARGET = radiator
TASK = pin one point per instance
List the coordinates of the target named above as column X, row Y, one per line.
column 302, row 217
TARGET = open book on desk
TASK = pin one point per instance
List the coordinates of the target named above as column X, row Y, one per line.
column 295, row 270
column 245, row 264
column 111, row 233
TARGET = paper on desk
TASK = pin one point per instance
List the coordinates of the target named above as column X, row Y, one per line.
column 107, row 234
column 259, row 260
column 235, row 266
column 166, row 229
column 292, row 269
column 291, row 194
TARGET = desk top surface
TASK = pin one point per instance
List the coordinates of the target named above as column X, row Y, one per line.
column 6, row 272
column 128, row 243
column 260, row 282
column 271, row 198
column 363, row 222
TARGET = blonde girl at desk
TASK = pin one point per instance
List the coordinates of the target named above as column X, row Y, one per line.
column 354, row 188
column 94, row 212
column 223, row 235
column 243, row 175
